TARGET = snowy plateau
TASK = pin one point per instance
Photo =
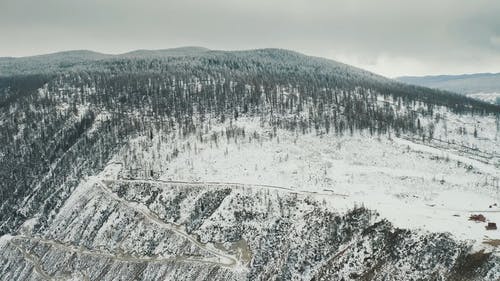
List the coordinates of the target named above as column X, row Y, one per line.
column 264, row 180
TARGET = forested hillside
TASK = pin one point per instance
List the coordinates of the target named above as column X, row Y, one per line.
column 63, row 118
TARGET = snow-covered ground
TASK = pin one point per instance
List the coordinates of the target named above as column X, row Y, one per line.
column 226, row 197
column 414, row 184
column 487, row 97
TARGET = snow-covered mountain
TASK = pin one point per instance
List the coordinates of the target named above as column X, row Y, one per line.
column 193, row 164
column 482, row 86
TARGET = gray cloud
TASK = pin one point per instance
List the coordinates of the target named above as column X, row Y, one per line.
column 391, row 37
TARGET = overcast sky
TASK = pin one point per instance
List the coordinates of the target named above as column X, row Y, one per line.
column 389, row 37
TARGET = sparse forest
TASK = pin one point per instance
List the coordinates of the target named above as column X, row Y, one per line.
column 65, row 122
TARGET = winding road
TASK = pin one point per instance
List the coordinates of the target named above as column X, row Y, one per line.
column 229, row 184
column 223, row 258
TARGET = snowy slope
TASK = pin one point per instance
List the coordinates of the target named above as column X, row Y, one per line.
column 415, row 185
column 252, row 165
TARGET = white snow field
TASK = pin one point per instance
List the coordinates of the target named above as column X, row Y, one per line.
column 487, row 97
column 432, row 186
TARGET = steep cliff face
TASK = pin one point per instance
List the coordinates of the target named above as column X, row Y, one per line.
column 131, row 230
column 258, row 165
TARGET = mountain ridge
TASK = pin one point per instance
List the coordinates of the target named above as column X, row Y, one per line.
column 59, row 61
column 281, row 59
column 87, row 52
column 463, row 84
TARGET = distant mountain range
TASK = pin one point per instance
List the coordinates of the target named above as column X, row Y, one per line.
column 90, row 55
column 463, row 84
column 70, row 59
